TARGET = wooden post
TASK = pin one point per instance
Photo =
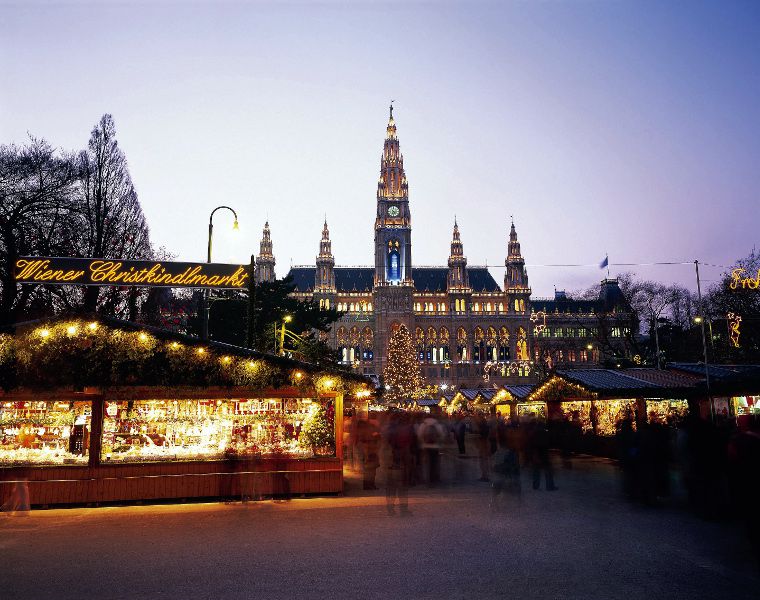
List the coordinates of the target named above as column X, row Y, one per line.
column 251, row 312
column 96, row 430
column 339, row 427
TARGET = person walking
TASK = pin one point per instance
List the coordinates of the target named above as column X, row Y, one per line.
column 431, row 436
column 537, row 449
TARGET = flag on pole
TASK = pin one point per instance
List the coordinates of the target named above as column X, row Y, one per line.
column 605, row 262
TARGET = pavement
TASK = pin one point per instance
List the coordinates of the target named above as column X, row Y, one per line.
column 583, row 541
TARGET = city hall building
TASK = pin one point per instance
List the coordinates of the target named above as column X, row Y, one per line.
column 468, row 329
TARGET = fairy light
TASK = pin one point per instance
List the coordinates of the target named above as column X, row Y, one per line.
column 299, row 375
column 92, row 326
column 143, row 337
column 174, row 345
column 226, row 359
column 44, row 333
column 71, row 329
column 201, row 351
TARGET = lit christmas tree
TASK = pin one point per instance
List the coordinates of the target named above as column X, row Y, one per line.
column 403, row 375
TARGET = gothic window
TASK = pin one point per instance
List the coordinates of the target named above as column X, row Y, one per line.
column 394, row 261
column 477, row 307
column 517, row 305
column 462, row 354
column 488, row 307
column 353, row 335
column 419, row 335
column 342, row 334
column 479, row 345
column 583, row 355
column 501, row 307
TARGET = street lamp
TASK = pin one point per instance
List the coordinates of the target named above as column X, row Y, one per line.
column 206, row 304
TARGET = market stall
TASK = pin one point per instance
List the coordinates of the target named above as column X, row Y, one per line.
column 103, row 410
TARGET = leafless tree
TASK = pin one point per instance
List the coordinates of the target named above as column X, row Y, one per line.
column 111, row 219
column 36, row 188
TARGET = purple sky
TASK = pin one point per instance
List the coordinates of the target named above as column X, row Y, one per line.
column 628, row 128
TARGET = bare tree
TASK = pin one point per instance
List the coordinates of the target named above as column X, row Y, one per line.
column 112, row 221
column 36, row 187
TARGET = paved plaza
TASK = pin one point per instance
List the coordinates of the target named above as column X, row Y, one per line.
column 582, row 541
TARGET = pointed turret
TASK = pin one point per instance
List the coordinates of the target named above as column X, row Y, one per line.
column 516, row 276
column 392, row 183
column 458, row 279
column 265, row 261
column 324, row 277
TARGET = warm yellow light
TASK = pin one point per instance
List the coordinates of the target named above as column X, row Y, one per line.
column 44, row 333
column 143, row 337
column 288, row 318
column 329, row 383
column 226, row 359
column 235, row 225
column 175, row 345
column 697, row 320
column 71, row 329
column 589, row 347
column 93, row 326
column 201, row 350
column 251, row 364
column 299, row 374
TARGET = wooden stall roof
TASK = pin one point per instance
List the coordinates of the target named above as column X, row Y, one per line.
column 156, row 370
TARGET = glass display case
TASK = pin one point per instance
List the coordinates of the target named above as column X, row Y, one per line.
column 213, row 429
column 45, row 432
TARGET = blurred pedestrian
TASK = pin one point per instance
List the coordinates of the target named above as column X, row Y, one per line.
column 431, row 436
column 18, row 503
column 537, row 449
column 400, row 438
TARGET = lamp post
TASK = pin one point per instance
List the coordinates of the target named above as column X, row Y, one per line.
column 285, row 319
column 206, row 304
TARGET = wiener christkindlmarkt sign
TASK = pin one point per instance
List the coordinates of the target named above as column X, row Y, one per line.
column 98, row 271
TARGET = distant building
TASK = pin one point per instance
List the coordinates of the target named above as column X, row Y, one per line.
column 468, row 330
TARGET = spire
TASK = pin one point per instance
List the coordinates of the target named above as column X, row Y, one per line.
column 458, row 277
column 392, row 182
column 515, row 277
column 324, row 276
column 265, row 261
column 514, row 245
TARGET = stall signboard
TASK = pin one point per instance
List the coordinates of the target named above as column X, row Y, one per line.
column 148, row 273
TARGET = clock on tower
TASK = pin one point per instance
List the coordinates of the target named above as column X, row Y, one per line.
column 393, row 211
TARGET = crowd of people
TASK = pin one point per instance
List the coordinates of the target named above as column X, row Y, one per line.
column 431, row 449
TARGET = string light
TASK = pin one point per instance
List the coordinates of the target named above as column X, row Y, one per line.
column 44, row 333
column 175, row 345
column 71, row 329
column 92, row 326
column 226, row 359
column 201, row 351
column 143, row 337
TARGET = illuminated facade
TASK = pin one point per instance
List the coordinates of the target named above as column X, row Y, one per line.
column 468, row 330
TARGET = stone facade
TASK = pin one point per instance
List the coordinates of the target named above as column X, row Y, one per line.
column 468, row 330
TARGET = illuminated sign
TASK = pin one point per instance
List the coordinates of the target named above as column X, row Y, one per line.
column 745, row 282
column 734, row 324
column 97, row 271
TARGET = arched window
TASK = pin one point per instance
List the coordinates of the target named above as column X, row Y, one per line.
column 504, row 354
column 462, row 354
column 393, row 262
column 479, row 345
column 492, row 349
column 367, row 340
column 501, row 307
column 419, row 336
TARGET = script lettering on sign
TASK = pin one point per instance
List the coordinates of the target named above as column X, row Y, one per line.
column 98, row 271
column 744, row 282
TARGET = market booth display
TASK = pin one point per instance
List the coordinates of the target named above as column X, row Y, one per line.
column 103, row 410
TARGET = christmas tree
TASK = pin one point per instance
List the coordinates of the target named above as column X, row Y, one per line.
column 318, row 431
column 403, row 375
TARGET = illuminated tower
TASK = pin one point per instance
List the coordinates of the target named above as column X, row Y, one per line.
column 518, row 294
column 393, row 285
column 324, row 276
column 393, row 224
column 458, row 279
column 265, row 259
